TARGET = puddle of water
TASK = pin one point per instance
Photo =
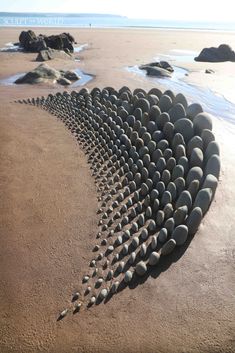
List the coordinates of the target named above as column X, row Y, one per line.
column 11, row 80
column 176, row 58
column 178, row 73
column 10, row 47
column 183, row 52
column 83, row 80
column 80, row 48
column 211, row 102
column 182, row 55
column 178, row 55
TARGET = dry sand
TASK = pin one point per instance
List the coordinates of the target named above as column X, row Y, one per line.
column 48, row 222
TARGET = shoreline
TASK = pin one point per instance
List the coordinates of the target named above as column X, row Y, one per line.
column 186, row 29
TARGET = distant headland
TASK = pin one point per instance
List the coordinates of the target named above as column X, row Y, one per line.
column 46, row 14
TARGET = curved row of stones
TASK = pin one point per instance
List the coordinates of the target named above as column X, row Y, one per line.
column 156, row 166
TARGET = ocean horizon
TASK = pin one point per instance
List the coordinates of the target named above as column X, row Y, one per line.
column 8, row 19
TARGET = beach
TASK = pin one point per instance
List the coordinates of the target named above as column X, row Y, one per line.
column 49, row 221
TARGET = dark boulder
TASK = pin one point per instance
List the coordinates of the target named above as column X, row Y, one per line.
column 71, row 75
column 70, row 37
column 37, row 45
column 63, row 81
column 158, row 69
column 161, row 64
column 26, row 37
column 60, row 42
column 32, row 43
column 223, row 53
column 209, row 71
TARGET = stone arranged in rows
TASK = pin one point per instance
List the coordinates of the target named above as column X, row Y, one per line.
column 156, row 165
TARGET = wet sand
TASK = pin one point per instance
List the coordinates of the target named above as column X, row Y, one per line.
column 109, row 51
column 48, row 223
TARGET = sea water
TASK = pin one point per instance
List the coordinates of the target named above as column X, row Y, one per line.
column 99, row 21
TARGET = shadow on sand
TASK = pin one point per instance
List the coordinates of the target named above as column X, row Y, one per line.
column 153, row 271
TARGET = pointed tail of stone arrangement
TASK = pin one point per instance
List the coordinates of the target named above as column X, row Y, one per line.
column 156, row 165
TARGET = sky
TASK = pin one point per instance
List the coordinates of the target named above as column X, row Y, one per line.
column 191, row 10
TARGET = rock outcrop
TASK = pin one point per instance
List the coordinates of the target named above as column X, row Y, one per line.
column 160, row 69
column 45, row 74
column 50, row 54
column 63, row 41
column 223, row 53
column 32, row 43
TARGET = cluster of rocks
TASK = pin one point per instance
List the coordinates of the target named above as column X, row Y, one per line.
column 45, row 74
column 48, row 47
column 29, row 41
column 156, row 165
column 223, row 53
column 159, row 69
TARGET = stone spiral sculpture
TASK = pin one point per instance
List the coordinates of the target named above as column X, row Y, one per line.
column 156, row 165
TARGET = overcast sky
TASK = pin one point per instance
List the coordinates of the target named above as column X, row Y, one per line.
column 209, row 10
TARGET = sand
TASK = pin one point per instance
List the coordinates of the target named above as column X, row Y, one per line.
column 48, row 221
